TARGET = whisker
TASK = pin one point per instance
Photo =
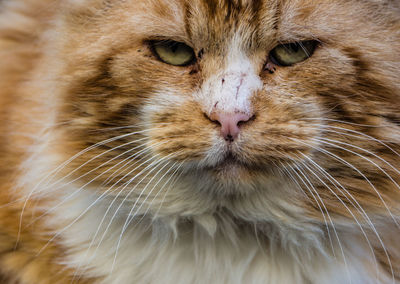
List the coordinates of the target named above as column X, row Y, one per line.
column 369, row 182
column 360, row 173
column 116, row 197
column 370, row 153
column 359, row 209
column 330, row 219
column 127, row 221
column 73, row 222
column 54, row 172
column 347, row 122
column 151, row 202
column 285, row 167
column 131, row 157
column 156, row 163
column 132, row 126
column 122, row 170
column 155, row 196
column 312, row 189
column 97, row 156
column 328, row 128
column 175, row 179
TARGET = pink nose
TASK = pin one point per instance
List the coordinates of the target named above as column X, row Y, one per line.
column 229, row 123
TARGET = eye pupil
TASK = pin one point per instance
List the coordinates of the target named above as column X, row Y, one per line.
column 294, row 47
column 174, row 47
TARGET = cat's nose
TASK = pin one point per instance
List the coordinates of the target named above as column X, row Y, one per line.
column 230, row 123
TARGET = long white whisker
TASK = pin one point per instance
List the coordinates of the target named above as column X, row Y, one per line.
column 328, row 128
column 101, row 165
column 368, row 152
column 360, row 173
column 330, row 219
column 57, row 170
column 132, row 126
column 369, row 182
column 165, row 183
column 134, row 205
column 156, row 163
column 69, row 225
column 131, row 157
column 358, row 207
column 346, row 122
column 312, row 189
column 154, row 186
column 175, row 179
column 142, row 203
column 286, row 169
column 121, row 187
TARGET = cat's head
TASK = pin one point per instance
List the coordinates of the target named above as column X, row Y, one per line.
column 299, row 99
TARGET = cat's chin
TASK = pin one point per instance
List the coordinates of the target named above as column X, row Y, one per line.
column 233, row 174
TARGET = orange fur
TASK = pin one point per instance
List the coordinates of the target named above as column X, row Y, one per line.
column 76, row 73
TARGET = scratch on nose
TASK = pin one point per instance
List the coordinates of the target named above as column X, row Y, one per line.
column 238, row 87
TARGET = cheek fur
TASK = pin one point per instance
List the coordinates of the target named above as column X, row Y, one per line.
column 185, row 130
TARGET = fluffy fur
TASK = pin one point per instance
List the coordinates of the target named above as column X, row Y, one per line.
column 112, row 172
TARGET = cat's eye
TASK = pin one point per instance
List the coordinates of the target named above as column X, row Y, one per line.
column 292, row 53
column 173, row 52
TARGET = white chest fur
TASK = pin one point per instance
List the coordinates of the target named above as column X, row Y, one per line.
column 155, row 254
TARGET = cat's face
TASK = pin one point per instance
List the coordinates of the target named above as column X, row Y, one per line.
column 212, row 92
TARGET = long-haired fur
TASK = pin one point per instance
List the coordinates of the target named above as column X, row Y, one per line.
column 112, row 169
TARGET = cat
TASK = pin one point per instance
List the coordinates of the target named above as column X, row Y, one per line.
column 201, row 141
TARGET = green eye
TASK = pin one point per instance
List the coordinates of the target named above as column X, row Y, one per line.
column 173, row 52
column 292, row 53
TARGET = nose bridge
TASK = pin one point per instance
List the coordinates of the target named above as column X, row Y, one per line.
column 230, row 91
column 231, row 82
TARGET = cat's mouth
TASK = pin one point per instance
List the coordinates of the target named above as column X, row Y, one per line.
column 231, row 167
column 228, row 161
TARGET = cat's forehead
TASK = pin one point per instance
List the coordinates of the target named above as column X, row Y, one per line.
column 207, row 17
column 218, row 20
column 221, row 21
